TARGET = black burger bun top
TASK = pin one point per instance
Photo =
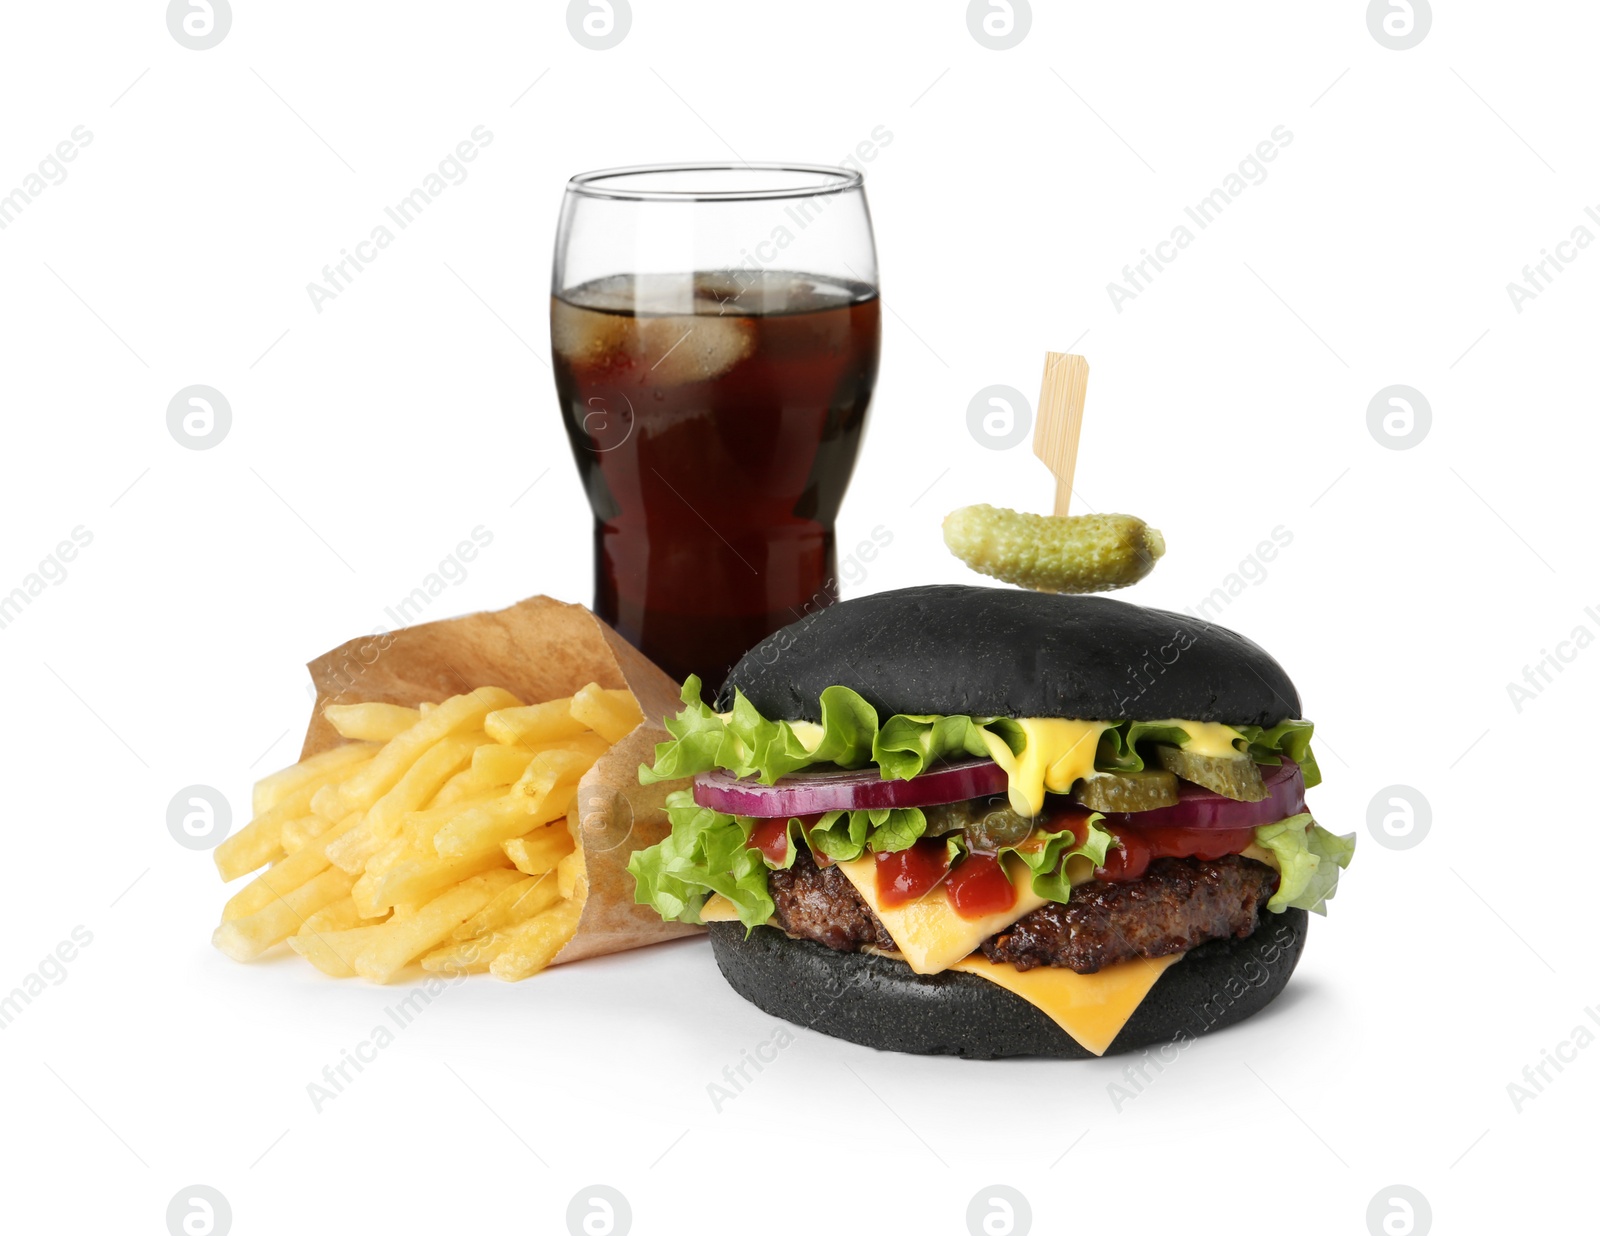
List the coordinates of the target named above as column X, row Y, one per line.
column 958, row 649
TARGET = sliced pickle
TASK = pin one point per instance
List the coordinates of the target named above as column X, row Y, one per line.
column 996, row 827
column 946, row 818
column 1235, row 777
column 1136, row 791
column 1050, row 553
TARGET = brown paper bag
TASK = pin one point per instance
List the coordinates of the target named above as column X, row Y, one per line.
column 538, row 649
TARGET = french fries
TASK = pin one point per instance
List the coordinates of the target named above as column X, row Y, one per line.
column 270, row 791
column 610, row 714
column 541, row 850
column 443, row 835
column 375, row 722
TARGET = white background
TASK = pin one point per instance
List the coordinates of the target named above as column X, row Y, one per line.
column 1228, row 399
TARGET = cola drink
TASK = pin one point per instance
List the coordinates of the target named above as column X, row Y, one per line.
column 715, row 419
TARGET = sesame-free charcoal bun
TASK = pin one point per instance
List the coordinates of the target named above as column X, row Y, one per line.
column 880, row 1002
column 1003, row 652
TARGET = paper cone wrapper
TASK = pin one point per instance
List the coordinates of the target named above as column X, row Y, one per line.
column 538, row 649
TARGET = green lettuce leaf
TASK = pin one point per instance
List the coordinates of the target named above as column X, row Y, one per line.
column 705, row 853
column 1291, row 738
column 700, row 742
column 907, row 745
column 1049, row 863
column 1309, row 862
column 843, row 835
column 1119, row 745
column 840, row 835
column 747, row 744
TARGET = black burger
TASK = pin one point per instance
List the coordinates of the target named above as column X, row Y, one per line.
column 987, row 822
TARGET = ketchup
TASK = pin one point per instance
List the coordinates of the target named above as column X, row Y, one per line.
column 771, row 837
column 1063, row 818
column 1140, row 845
column 905, row 875
column 978, row 886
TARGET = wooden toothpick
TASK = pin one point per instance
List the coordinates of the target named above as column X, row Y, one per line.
column 1060, row 418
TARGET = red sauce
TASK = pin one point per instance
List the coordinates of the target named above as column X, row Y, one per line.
column 1140, row 845
column 906, row 875
column 771, row 837
column 978, row 886
column 1062, row 818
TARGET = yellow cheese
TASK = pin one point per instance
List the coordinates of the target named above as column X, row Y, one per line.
column 1057, row 753
column 718, row 909
column 930, row 934
column 1261, row 854
column 808, row 732
column 1208, row 738
column 1092, row 1008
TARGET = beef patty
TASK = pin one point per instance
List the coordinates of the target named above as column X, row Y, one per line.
column 1178, row 904
column 819, row 903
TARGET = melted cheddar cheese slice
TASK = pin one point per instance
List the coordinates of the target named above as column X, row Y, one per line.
column 930, row 935
column 1208, row 738
column 1092, row 1008
column 1057, row 753
column 718, row 909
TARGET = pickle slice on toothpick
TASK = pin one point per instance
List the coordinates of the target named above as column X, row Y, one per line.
column 1058, row 552
column 1052, row 553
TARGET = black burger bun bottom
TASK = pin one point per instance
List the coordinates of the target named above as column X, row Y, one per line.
column 1004, row 652
column 880, row 1002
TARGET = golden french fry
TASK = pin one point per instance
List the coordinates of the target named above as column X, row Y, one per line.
column 494, row 766
column 541, row 850
column 612, row 714
column 496, row 913
column 328, row 802
column 518, row 901
column 533, row 724
column 456, row 715
column 561, row 764
column 336, row 916
column 286, row 875
column 572, row 878
column 485, row 826
column 454, row 790
column 275, row 787
column 334, row 952
column 395, row 943
column 465, row 956
column 416, row 876
column 296, row 833
column 246, row 938
column 416, row 786
column 420, row 826
column 261, row 841
column 531, row 945
column 373, row 722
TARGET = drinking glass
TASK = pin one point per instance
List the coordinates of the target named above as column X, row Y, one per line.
column 714, row 333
